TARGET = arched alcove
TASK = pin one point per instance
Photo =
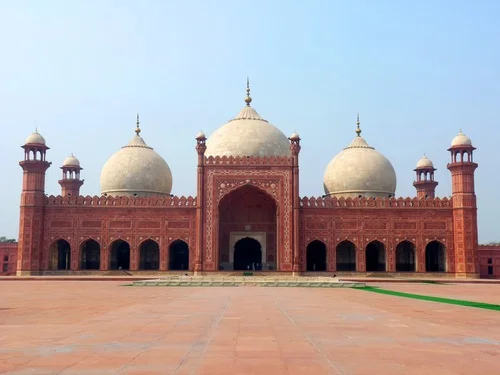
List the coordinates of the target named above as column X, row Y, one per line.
column 119, row 255
column 435, row 257
column 247, row 254
column 178, row 256
column 346, row 256
column 316, row 256
column 149, row 252
column 375, row 256
column 90, row 253
column 405, row 257
column 60, row 255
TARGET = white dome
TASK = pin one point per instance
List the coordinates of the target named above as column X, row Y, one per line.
column 35, row 138
column 461, row 140
column 360, row 170
column 248, row 134
column 71, row 161
column 425, row 162
column 136, row 169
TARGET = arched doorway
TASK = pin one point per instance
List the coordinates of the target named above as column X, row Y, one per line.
column 60, row 255
column 90, row 252
column 149, row 255
column 247, row 254
column 375, row 256
column 120, row 255
column 346, row 256
column 179, row 256
column 405, row 257
column 316, row 256
column 250, row 212
column 435, row 257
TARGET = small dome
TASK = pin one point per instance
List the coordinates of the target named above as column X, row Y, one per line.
column 461, row 140
column 35, row 138
column 359, row 170
column 425, row 162
column 248, row 134
column 201, row 135
column 294, row 136
column 136, row 169
column 71, row 161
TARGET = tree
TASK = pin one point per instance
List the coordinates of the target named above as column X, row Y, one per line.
column 6, row 240
column 493, row 243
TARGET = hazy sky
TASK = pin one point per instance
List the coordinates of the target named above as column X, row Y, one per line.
column 416, row 71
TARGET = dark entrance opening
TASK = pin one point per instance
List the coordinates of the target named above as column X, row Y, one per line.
column 61, row 255
column 120, row 256
column 375, row 256
column 316, row 256
column 150, row 255
column 247, row 254
column 405, row 257
column 91, row 255
column 346, row 256
column 179, row 256
column 435, row 257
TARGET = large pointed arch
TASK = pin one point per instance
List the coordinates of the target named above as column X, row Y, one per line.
column 149, row 255
column 375, row 256
column 90, row 255
column 119, row 255
column 316, row 256
column 405, row 257
column 435, row 256
column 252, row 211
column 345, row 252
column 60, row 255
column 178, row 255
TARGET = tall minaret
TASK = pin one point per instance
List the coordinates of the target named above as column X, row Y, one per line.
column 32, row 204
column 71, row 182
column 425, row 183
column 465, row 239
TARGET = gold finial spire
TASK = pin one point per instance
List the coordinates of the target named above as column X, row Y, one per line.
column 358, row 129
column 36, row 129
column 137, row 129
column 248, row 99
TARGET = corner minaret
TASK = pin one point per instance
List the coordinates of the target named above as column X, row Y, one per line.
column 425, row 183
column 201, row 147
column 295, row 150
column 31, row 220
column 465, row 239
column 71, row 182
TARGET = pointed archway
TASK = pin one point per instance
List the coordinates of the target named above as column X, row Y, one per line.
column 316, row 256
column 375, row 256
column 247, row 254
column 250, row 212
column 120, row 255
column 90, row 251
column 405, row 257
column 149, row 255
column 60, row 255
column 346, row 256
column 178, row 256
column 435, row 257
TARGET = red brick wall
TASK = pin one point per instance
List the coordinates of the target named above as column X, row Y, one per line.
column 8, row 258
column 489, row 261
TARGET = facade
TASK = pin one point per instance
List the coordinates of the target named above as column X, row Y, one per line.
column 489, row 261
column 8, row 258
column 248, row 213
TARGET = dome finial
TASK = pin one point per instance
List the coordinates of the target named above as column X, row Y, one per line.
column 248, row 99
column 137, row 129
column 358, row 129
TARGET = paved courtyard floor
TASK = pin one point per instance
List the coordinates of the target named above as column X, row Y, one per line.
column 103, row 327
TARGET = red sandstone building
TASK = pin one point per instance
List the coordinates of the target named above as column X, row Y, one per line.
column 248, row 214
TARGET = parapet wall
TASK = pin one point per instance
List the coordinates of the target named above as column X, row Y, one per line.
column 102, row 200
column 333, row 202
column 249, row 160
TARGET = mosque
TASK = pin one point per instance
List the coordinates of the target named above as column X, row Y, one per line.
column 247, row 213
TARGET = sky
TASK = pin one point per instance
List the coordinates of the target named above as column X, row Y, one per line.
column 415, row 71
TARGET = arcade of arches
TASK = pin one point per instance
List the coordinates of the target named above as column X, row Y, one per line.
column 247, row 209
column 248, row 253
column 91, row 256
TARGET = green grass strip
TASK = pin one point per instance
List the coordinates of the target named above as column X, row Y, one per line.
column 450, row 301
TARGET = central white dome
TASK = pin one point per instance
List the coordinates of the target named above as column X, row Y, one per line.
column 360, row 170
column 136, row 170
column 248, row 134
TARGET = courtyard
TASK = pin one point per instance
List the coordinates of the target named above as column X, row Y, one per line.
column 110, row 327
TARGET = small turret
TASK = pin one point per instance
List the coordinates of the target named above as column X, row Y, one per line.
column 71, row 182
column 425, row 183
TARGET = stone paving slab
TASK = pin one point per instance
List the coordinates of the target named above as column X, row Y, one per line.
column 73, row 328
